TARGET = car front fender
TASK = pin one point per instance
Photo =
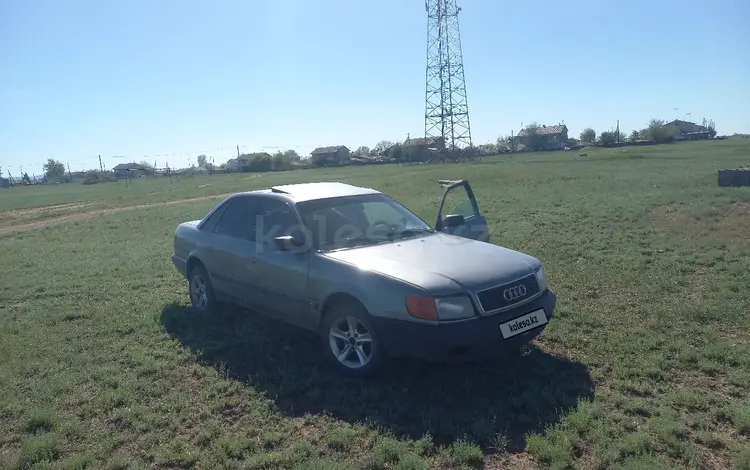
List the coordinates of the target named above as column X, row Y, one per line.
column 381, row 295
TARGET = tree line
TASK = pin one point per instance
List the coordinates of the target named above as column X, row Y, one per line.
column 530, row 137
column 656, row 132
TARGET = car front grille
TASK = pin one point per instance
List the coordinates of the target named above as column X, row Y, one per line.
column 508, row 294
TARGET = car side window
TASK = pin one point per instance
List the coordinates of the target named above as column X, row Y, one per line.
column 275, row 218
column 458, row 202
column 210, row 223
column 238, row 219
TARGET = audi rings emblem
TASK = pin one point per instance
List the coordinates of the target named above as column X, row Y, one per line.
column 514, row 293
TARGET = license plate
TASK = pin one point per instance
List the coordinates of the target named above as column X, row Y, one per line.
column 523, row 323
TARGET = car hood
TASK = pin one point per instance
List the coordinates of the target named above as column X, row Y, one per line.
column 441, row 263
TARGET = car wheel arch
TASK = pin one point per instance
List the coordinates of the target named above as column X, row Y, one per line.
column 192, row 262
column 339, row 298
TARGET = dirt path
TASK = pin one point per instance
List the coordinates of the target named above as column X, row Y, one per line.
column 87, row 215
column 38, row 210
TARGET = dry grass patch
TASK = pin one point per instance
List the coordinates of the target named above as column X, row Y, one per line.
column 736, row 224
column 729, row 223
column 671, row 217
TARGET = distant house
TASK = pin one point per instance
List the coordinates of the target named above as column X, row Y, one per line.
column 337, row 155
column 422, row 149
column 77, row 177
column 260, row 161
column 550, row 137
column 684, row 130
column 233, row 164
column 130, row 170
column 433, row 143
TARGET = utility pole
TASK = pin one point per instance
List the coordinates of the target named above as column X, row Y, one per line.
column 408, row 148
column 101, row 167
column 618, row 133
column 70, row 178
column 238, row 151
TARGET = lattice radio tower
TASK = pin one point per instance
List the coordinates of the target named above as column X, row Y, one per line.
column 446, row 106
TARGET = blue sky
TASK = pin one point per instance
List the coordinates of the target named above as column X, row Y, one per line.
column 166, row 80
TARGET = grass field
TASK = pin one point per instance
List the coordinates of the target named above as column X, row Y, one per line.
column 646, row 364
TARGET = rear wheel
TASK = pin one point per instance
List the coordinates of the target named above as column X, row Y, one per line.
column 200, row 290
column 349, row 341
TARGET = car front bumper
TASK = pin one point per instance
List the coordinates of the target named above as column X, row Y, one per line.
column 465, row 340
column 180, row 263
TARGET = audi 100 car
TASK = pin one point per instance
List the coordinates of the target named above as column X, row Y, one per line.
column 365, row 273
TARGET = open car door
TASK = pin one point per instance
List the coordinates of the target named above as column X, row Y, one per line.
column 459, row 212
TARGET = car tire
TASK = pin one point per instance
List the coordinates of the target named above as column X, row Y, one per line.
column 350, row 342
column 201, row 291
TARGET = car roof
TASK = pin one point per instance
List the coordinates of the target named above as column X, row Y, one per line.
column 323, row 190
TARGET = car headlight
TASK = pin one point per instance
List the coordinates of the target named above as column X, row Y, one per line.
column 454, row 308
column 541, row 278
column 441, row 308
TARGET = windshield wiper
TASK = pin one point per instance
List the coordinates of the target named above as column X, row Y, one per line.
column 351, row 242
column 409, row 232
column 367, row 241
column 357, row 240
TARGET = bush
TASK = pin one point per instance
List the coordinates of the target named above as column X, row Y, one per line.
column 94, row 177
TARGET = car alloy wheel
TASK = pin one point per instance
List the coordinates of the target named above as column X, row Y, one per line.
column 351, row 342
column 198, row 292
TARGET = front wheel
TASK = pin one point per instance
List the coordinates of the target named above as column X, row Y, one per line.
column 349, row 341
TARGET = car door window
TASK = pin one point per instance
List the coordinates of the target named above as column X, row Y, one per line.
column 238, row 219
column 275, row 219
column 458, row 202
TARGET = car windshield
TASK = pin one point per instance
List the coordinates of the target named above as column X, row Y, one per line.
column 351, row 221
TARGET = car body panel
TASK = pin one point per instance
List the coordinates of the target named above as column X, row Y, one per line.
column 442, row 264
column 366, row 286
column 283, row 279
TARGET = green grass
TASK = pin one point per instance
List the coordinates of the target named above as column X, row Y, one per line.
column 646, row 364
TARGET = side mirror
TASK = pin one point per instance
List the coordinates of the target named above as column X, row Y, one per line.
column 289, row 242
column 453, row 220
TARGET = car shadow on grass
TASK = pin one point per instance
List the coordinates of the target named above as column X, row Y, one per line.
column 491, row 401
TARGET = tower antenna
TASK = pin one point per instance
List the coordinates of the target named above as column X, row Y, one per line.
column 446, row 122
